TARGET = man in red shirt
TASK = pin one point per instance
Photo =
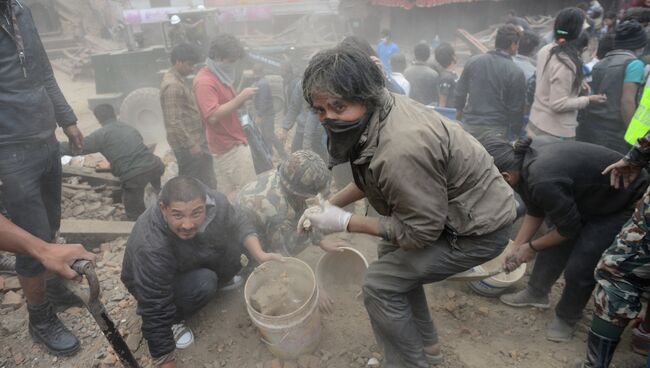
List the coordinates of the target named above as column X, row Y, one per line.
column 219, row 104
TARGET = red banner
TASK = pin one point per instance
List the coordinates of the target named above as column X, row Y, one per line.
column 410, row 4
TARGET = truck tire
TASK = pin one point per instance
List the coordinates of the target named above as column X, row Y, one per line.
column 141, row 109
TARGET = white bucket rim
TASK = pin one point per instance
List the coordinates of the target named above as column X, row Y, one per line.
column 314, row 291
column 328, row 254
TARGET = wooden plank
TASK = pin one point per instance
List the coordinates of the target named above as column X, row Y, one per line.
column 476, row 46
column 92, row 233
column 91, row 176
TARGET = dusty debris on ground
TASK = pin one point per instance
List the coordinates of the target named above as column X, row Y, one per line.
column 83, row 201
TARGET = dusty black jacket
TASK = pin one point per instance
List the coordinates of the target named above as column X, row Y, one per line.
column 154, row 256
column 30, row 107
column 492, row 91
column 563, row 181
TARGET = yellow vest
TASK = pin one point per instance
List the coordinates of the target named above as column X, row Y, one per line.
column 640, row 124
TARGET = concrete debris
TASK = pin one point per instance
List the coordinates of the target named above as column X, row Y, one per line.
column 12, row 300
column 85, row 202
column 373, row 362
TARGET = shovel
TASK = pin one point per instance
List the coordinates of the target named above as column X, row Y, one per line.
column 98, row 311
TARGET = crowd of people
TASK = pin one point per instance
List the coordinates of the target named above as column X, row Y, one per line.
column 541, row 124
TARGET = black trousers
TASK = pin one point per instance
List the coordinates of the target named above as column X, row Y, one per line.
column 267, row 128
column 199, row 167
column 577, row 258
column 133, row 191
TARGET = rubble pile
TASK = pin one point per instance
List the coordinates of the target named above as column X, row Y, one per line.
column 84, row 202
column 119, row 304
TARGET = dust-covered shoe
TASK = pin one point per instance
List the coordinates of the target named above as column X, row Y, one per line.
column 7, row 263
column 525, row 298
column 46, row 328
column 182, row 335
column 560, row 330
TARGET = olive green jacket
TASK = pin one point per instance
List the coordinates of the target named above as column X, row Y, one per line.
column 424, row 174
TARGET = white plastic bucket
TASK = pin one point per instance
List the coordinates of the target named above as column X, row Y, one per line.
column 296, row 333
column 497, row 284
column 341, row 268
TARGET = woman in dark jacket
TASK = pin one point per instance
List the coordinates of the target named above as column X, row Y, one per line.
column 561, row 182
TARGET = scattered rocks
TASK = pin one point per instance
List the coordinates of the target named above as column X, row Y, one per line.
column 12, row 300
column 83, row 202
column 11, row 283
column 373, row 362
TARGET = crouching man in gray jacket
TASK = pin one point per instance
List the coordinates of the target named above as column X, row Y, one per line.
column 177, row 257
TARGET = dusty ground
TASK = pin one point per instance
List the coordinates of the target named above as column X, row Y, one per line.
column 476, row 332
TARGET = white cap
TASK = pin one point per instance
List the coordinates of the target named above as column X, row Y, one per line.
column 175, row 19
column 201, row 7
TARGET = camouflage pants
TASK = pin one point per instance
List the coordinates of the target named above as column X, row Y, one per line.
column 623, row 273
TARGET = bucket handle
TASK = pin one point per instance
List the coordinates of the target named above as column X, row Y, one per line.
column 278, row 343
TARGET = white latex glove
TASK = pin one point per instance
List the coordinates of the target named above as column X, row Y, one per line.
column 330, row 219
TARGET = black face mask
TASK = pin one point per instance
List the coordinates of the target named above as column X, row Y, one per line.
column 343, row 137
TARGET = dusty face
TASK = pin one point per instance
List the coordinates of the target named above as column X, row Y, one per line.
column 185, row 218
column 333, row 108
column 646, row 3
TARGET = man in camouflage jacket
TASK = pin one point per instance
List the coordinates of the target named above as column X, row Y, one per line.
column 277, row 199
column 623, row 273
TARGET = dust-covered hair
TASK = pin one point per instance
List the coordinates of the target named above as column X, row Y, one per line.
column 508, row 156
column 347, row 73
column 182, row 189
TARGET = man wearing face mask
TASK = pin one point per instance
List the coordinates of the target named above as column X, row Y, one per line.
column 443, row 205
column 218, row 104
column 31, row 107
column 618, row 76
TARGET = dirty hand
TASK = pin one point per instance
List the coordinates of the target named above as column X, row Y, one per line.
column 266, row 257
column 248, row 93
column 282, row 135
column 325, row 303
column 515, row 258
column 304, row 224
column 333, row 245
column 330, row 219
column 597, row 99
column 59, row 257
column 195, row 150
column 75, row 138
column 622, row 170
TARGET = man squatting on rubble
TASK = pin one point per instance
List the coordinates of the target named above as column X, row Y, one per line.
column 178, row 255
column 31, row 106
column 131, row 161
column 444, row 208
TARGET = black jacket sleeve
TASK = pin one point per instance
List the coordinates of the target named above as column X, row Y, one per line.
column 62, row 110
column 557, row 202
column 153, row 274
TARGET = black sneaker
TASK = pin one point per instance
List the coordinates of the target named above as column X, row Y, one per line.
column 60, row 296
column 47, row 329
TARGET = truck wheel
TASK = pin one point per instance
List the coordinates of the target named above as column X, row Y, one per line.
column 141, row 109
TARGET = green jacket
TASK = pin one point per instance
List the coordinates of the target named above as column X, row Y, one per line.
column 122, row 146
column 425, row 174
